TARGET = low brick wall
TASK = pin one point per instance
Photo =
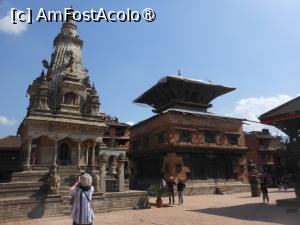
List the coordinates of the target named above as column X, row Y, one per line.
column 200, row 189
column 123, row 200
column 21, row 208
column 32, row 208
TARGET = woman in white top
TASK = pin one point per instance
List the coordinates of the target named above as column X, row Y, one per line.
column 81, row 192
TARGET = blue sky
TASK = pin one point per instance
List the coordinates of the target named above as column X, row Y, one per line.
column 253, row 45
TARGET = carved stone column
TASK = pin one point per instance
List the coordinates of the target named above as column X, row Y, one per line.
column 28, row 153
column 120, row 173
column 93, row 155
column 54, row 160
column 78, row 153
column 103, row 163
column 87, row 155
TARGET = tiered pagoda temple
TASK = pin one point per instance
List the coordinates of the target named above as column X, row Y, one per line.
column 183, row 139
column 286, row 117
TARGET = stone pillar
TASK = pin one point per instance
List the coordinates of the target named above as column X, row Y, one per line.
column 120, row 173
column 28, row 153
column 93, row 155
column 78, row 154
column 103, row 163
column 54, row 154
column 87, row 155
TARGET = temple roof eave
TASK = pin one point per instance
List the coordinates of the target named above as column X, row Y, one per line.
column 190, row 112
column 66, row 120
column 286, row 109
column 172, row 90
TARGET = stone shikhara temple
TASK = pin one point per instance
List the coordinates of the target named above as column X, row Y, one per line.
column 62, row 136
column 186, row 141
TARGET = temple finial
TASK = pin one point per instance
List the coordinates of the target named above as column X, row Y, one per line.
column 179, row 73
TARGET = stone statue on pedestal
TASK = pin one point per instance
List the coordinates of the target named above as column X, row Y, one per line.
column 253, row 179
column 54, row 181
column 96, row 182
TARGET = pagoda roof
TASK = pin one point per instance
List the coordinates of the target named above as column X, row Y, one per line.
column 195, row 113
column 288, row 110
column 181, row 92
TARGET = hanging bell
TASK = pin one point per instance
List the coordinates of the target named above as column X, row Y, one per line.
column 112, row 170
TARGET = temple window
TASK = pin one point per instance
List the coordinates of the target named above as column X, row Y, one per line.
column 210, row 137
column 160, row 137
column 70, row 98
column 233, row 139
column 120, row 132
column 265, row 157
column 178, row 167
column 264, row 143
column 185, row 136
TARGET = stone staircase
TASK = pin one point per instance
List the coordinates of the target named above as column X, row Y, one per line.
column 68, row 176
column 28, row 184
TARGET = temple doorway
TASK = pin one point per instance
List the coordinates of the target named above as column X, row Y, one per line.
column 64, row 154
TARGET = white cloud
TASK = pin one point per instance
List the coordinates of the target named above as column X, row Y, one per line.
column 6, row 121
column 252, row 108
column 7, row 26
column 130, row 123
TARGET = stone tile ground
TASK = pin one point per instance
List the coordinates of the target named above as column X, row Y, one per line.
column 203, row 209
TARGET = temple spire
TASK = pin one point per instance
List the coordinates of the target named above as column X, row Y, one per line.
column 69, row 27
column 67, row 56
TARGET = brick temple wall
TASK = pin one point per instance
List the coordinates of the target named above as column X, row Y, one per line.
column 144, row 142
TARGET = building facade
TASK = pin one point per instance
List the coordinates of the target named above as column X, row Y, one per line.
column 265, row 150
column 10, row 156
column 286, row 117
column 185, row 141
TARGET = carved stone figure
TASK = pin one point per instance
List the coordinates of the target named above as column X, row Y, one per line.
column 96, row 182
column 54, row 181
column 45, row 64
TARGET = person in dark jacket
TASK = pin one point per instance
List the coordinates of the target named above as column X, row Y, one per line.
column 264, row 188
column 180, row 188
column 170, row 184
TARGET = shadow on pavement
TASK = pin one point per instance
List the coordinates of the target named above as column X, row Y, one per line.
column 256, row 212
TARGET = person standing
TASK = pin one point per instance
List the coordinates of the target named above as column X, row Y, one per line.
column 170, row 184
column 162, row 183
column 180, row 188
column 264, row 189
column 81, row 191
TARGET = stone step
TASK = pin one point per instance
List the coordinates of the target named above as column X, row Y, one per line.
column 25, row 188
column 30, row 176
column 66, row 207
column 40, row 167
column 66, row 213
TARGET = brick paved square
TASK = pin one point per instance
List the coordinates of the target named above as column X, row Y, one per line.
column 228, row 209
